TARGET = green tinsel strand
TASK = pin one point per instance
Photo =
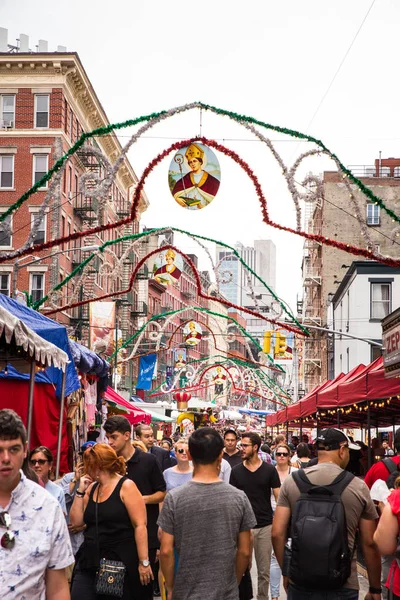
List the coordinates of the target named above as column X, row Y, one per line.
column 136, row 236
column 100, row 131
column 174, row 312
column 239, row 362
column 299, row 135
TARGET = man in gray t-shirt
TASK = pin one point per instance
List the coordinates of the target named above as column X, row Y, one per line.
column 207, row 523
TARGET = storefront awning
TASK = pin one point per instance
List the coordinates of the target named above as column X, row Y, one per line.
column 134, row 414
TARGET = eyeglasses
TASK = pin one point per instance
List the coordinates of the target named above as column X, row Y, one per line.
column 8, row 538
column 282, row 454
column 181, row 450
column 39, row 461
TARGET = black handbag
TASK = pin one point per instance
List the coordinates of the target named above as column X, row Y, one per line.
column 111, row 574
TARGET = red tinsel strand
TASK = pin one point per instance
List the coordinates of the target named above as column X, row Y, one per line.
column 263, row 203
column 199, row 291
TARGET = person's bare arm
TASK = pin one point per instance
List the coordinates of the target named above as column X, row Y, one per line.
column 243, row 554
column 136, row 508
column 371, row 553
column 385, row 536
column 167, row 560
column 280, row 526
column 57, row 587
column 155, row 498
column 79, row 504
column 276, row 493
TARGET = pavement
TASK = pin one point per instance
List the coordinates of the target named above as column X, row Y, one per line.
column 363, row 582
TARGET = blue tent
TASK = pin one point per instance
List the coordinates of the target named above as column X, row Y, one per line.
column 52, row 332
column 253, row 411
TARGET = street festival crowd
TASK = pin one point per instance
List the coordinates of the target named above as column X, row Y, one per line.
column 184, row 518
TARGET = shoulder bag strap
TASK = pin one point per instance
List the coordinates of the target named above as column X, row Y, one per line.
column 390, row 465
column 96, row 512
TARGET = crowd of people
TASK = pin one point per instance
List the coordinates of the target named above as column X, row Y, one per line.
column 184, row 518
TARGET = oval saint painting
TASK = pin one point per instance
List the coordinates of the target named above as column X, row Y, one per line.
column 194, row 176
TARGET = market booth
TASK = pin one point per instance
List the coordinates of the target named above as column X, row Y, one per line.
column 39, row 396
column 363, row 398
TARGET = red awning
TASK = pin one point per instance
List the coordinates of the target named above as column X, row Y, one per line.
column 134, row 414
column 329, row 396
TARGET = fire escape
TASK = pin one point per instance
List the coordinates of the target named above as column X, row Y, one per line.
column 312, row 280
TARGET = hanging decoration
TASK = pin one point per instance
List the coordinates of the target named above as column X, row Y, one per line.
column 249, row 122
column 192, row 333
column 194, row 176
column 168, row 267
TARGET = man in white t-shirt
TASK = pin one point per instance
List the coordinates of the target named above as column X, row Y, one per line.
column 35, row 547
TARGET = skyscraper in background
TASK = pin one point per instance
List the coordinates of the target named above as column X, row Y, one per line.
column 241, row 287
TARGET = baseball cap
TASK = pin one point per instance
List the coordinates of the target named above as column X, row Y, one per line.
column 332, row 439
column 87, row 445
column 231, row 430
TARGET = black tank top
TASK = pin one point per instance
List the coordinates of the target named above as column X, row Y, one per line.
column 115, row 531
column 116, row 541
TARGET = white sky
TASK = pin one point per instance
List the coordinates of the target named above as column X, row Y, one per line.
column 271, row 60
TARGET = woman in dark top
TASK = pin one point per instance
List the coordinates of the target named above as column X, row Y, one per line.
column 121, row 527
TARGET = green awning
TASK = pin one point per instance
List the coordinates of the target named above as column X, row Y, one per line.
column 158, row 418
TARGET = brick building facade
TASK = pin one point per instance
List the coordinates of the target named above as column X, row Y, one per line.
column 324, row 266
column 46, row 103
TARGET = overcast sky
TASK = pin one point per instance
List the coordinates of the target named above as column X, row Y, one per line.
column 271, row 60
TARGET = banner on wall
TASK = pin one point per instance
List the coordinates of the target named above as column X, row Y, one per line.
column 146, row 369
column 102, row 327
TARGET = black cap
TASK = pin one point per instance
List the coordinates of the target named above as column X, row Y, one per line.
column 231, row 430
column 332, row 439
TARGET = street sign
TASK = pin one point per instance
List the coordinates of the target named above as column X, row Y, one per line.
column 391, row 344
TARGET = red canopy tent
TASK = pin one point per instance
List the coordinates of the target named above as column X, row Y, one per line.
column 361, row 384
column 329, row 397
column 134, row 414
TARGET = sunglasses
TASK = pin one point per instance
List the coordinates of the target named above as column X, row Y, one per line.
column 8, row 538
column 282, row 454
column 181, row 450
column 39, row 461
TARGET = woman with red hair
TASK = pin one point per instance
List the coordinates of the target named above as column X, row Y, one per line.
column 120, row 532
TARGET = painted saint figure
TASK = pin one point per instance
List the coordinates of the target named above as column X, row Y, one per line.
column 192, row 334
column 197, row 188
column 169, row 273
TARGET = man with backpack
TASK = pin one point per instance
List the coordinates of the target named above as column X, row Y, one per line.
column 325, row 506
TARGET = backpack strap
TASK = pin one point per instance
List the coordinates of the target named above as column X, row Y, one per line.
column 390, row 465
column 335, row 488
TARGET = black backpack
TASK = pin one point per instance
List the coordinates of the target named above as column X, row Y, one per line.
column 320, row 554
column 393, row 469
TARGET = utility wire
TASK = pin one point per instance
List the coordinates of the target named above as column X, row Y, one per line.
column 340, row 66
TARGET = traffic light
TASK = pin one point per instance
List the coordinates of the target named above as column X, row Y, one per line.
column 280, row 343
column 267, row 342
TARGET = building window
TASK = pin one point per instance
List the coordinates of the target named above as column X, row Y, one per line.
column 37, row 286
column 40, row 167
column 7, row 111
column 42, row 110
column 381, row 300
column 376, row 352
column 5, row 284
column 41, row 231
column 373, row 214
column 6, row 171
column 6, row 232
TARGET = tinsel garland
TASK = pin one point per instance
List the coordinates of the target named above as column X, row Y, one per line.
column 196, row 276
column 137, row 237
column 156, row 118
